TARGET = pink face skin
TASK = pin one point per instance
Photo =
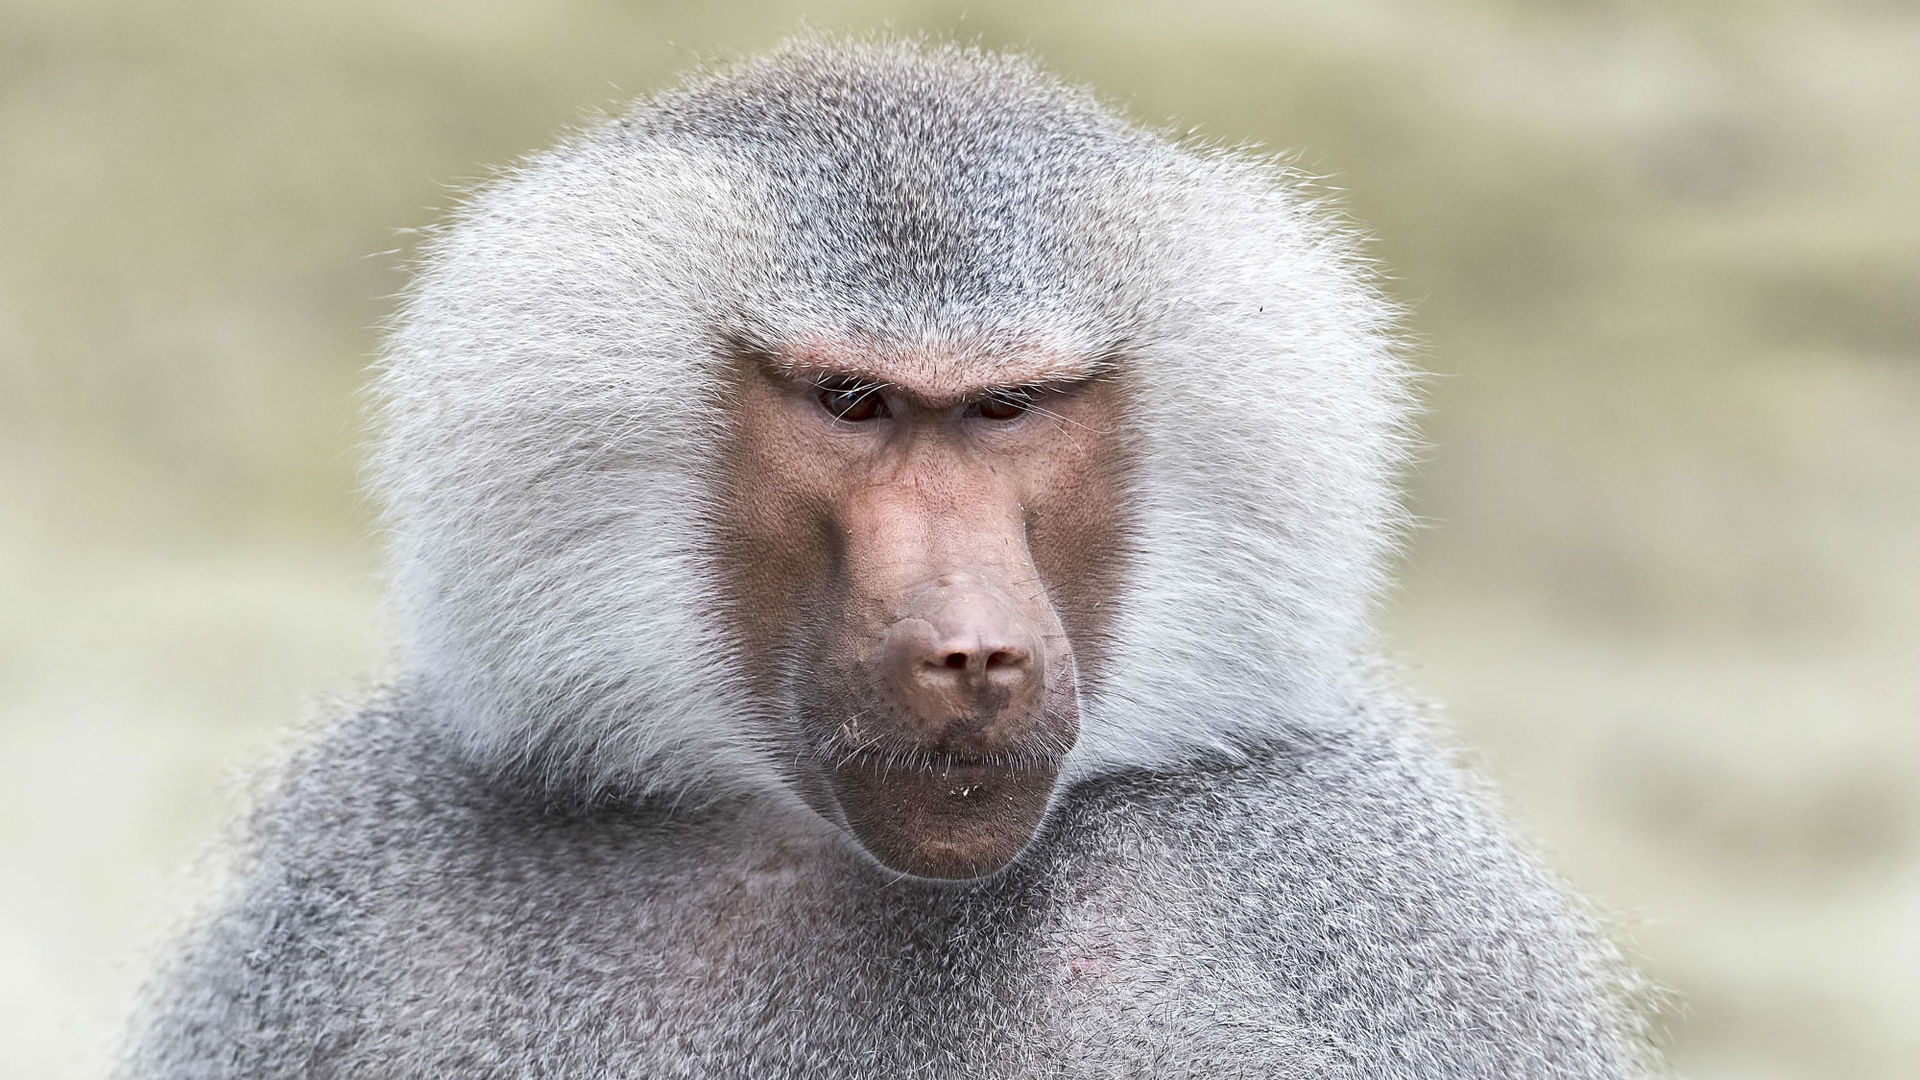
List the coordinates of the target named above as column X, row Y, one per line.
column 920, row 550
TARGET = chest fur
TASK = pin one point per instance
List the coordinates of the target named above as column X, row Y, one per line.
column 780, row 962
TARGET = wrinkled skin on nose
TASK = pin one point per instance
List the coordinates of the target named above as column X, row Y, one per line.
column 917, row 595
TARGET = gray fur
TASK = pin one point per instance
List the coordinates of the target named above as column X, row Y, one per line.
column 564, row 847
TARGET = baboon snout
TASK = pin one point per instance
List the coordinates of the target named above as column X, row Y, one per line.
column 963, row 655
column 949, row 690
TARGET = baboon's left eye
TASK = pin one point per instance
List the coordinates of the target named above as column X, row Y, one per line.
column 851, row 400
column 1004, row 405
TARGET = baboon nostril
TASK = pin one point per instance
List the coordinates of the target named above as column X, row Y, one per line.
column 999, row 659
column 957, row 660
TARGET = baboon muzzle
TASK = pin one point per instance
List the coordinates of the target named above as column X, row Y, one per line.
column 962, row 702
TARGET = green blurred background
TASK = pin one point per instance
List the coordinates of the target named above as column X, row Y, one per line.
column 1664, row 259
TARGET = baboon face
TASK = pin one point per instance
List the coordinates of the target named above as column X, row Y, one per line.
column 920, row 545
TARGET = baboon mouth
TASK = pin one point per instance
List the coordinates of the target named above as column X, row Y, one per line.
column 961, row 768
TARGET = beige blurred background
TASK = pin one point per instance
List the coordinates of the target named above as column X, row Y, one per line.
column 1663, row 257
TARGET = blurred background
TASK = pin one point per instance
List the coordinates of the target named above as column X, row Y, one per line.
column 1664, row 259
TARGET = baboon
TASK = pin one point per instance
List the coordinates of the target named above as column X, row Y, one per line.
column 886, row 551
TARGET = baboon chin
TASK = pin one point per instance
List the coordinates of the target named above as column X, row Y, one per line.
column 938, row 821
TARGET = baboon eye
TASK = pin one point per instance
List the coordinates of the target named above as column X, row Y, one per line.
column 1004, row 405
column 852, row 400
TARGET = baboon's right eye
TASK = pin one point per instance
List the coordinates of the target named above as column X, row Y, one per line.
column 852, row 400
